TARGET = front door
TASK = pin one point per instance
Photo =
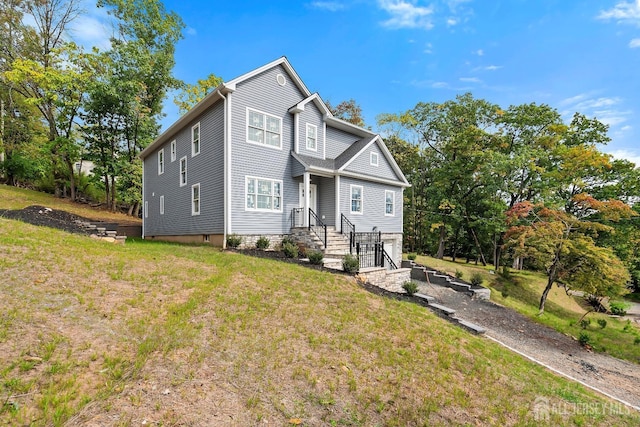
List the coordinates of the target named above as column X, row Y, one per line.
column 313, row 201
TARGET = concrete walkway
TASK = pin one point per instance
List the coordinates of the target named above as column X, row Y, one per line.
column 615, row 378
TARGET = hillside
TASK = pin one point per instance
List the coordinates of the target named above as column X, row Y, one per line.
column 150, row 333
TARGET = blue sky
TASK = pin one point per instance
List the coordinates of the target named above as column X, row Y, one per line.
column 389, row 55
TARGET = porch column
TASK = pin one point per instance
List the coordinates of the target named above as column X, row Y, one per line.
column 307, row 182
column 337, row 196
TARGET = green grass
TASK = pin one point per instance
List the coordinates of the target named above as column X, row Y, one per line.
column 186, row 335
column 562, row 312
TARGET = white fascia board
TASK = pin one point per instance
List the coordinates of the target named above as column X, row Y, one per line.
column 280, row 61
column 299, row 107
column 387, row 155
column 348, row 127
column 374, row 179
column 208, row 101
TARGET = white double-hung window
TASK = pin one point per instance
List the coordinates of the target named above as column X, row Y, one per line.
column 195, row 199
column 161, row 162
column 312, row 137
column 183, row 171
column 389, row 203
column 264, row 129
column 356, row 199
column 263, row 194
column 195, row 139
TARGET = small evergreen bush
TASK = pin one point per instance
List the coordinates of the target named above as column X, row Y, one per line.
column 315, row 257
column 410, row 287
column 476, row 279
column 636, row 341
column 262, row 243
column 290, row 250
column 233, row 241
column 602, row 323
column 287, row 239
column 584, row 339
column 412, row 256
column 584, row 323
column 459, row 274
column 350, row 263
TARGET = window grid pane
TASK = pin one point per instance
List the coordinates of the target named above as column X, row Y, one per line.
column 263, row 194
column 264, row 129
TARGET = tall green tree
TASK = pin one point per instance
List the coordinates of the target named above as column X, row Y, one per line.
column 190, row 95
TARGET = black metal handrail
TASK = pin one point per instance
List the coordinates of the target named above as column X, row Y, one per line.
column 296, row 213
column 372, row 254
column 318, row 227
column 386, row 258
column 346, row 226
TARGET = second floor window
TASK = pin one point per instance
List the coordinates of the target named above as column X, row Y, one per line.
column 173, row 150
column 264, row 129
column 312, row 137
column 161, row 162
column 195, row 140
column 389, row 203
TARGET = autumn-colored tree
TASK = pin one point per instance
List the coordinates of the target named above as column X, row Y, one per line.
column 348, row 111
column 564, row 246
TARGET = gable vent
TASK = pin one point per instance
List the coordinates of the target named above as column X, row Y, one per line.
column 281, row 80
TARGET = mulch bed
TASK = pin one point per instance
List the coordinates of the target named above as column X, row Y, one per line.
column 47, row 217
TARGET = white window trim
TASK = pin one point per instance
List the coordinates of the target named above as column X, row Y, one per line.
column 263, row 144
column 161, row 161
column 256, row 209
column 161, row 205
column 375, row 156
column 393, row 197
column 173, row 150
column 193, row 212
column 351, row 187
column 193, row 151
column 309, row 125
column 182, row 184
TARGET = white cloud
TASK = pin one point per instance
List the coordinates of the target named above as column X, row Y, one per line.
column 428, row 49
column 605, row 109
column 488, row 68
column 191, row 31
column 451, row 22
column 440, row 85
column 634, row 43
column 406, row 14
column 331, row 6
column 625, row 12
column 91, row 30
column 479, row 52
column 470, row 80
column 632, row 156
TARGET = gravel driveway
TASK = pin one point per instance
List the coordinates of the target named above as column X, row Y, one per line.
column 614, row 377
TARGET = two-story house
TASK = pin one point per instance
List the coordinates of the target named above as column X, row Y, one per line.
column 261, row 155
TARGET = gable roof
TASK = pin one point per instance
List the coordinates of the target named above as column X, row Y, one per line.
column 358, row 147
column 315, row 98
column 219, row 94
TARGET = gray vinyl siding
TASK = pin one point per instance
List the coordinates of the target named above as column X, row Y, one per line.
column 326, row 199
column 373, row 214
column 263, row 93
column 297, row 169
column 311, row 115
column 205, row 168
column 362, row 164
column 338, row 141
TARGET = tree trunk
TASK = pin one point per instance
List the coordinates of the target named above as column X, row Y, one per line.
column 136, row 210
column 475, row 239
column 545, row 293
column 440, row 253
column 498, row 255
column 72, row 179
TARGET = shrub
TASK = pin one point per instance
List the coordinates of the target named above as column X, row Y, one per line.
column 315, row 257
column 262, row 243
column 584, row 323
column 459, row 274
column 233, row 241
column 619, row 308
column 412, row 256
column 627, row 326
column 287, row 239
column 410, row 287
column 476, row 279
column 602, row 323
column 350, row 263
column 584, row 339
column 290, row 250
column 505, row 272
column 636, row 341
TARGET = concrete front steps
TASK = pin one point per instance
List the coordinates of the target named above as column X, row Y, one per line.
column 424, row 274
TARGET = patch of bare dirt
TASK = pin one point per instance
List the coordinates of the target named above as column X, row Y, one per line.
column 46, row 217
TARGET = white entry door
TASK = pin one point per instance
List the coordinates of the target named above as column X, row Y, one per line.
column 313, row 201
column 388, row 248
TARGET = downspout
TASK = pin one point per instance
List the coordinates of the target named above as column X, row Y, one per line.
column 227, row 168
column 144, row 211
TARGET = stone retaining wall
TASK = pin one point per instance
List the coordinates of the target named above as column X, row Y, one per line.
column 390, row 280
